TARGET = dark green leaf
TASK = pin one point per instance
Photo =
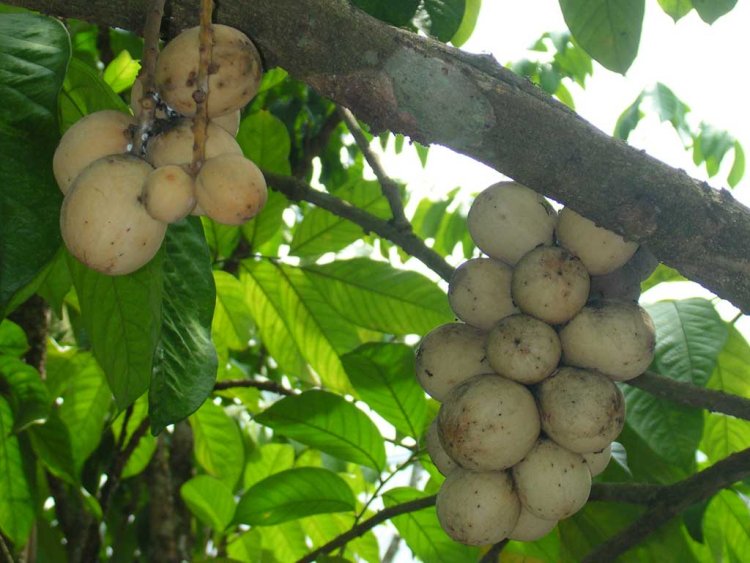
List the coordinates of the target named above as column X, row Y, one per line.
column 122, row 316
column 185, row 363
column 712, row 10
column 293, row 494
column 644, row 463
column 16, row 502
column 51, row 443
column 267, row 460
column 265, row 140
column 218, row 443
column 12, row 339
column 609, row 30
column 383, row 375
column 468, row 23
column 442, row 18
column 396, row 12
column 121, row 72
column 28, row 396
column 210, row 500
column 726, row 525
column 56, row 282
column 676, row 8
column 330, row 423
column 34, row 52
column 377, row 296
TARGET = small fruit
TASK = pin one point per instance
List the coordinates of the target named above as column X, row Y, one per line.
column 230, row 189
column 477, row 508
column 230, row 122
column 169, row 193
column 479, row 292
column 507, row 220
column 530, row 527
column 442, row 460
column 598, row 461
column 175, row 146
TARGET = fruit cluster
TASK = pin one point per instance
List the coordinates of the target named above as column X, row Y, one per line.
column 527, row 381
column 117, row 204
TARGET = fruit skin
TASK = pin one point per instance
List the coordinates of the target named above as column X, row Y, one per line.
column 98, row 134
column 230, row 122
column 479, row 292
column 598, row 461
column 233, row 79
column 615, row 338
column 103, row 222
column 550, row 284
column 442, row 460
column 600, row 250
column 230, row 189
column 175, row 146
column 530, row 527
column 552, row 482
column 507, row 220
column 581, row 410
column 449, row 355
column 523, row 349
column 488, row 423
column 477, row 508
column 169, row 193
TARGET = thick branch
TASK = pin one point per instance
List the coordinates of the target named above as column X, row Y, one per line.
column 397, row 80
column 148, row 72
column 691, row 395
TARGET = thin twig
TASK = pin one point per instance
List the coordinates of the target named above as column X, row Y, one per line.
column 124, row 428
column 147, row 102
column 5, row 551
column 297, row 190
column 387, row 184
column 272, row 386
column 200, row 96
column 383, row 483
column 494, row 552
column 393, row 547
column 692, row 395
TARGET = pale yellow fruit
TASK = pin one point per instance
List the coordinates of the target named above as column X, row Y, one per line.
column 103, row 221
column 477, row 508
column 234, row 74
column 530, row 527
column 230, row 189
column 230, row 122
column 479, row 292
column 175, row 146
column 442, row 460
column 600, row 250
column 96, row 135
column 169, row 193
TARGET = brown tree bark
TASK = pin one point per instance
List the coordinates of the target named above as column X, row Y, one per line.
column 399, row 81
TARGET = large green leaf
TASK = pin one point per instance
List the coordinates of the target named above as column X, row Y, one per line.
column 383, row 375
column 122, row 316
column 16, row 502
column 52, row 444
column 34, row 52
column 422, row 532
column 270, row 544
column 711, row 10
column 146, row 446
column 218, row 443
column 377, row 296
column 232, row 323
column 26, row 393
column 293, row 494
column 265, row 140
column 462, row 35
column 210, row 500
column 609, row 30
column 330, row 423
column 323, row 528
column 726, row 525
column 265, row 227
column 296, row 323
column 185, row 363
column 267, row 460
column 12, row 339
column 689, row 336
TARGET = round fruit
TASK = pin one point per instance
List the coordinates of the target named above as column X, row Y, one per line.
column 598, row 461
column 488, row 423
column 479, row 292
column 614, row 338
column 550, row 284
column 96, row 135
column 477, row 508
column 580, row 409
column 600, row 250
column 507, row 220
column 523, row 348
column 437, row 454
column 234, row 74
column 175, row 146
column 104, row 223
column 169, row 193
column 449, row 355
column 230, row 122
column 230, row 189
column 530, row 527
column 552, row 482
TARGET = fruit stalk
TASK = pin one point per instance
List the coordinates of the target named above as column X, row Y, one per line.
column 200, row 121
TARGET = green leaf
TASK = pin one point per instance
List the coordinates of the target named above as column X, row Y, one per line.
column 710, row 145
column 609, row 30
column 221, row 239
column 383, row 375
column 210, row 500
column 265, row 140
column 726, row 525
column 146, row 446
column 376, row 296
column 330, row 423
column 28, row 396
column 272, row 78
column 218, row 443
column 629, row 119
column 670, row 108
column 34, row 52
column 738, row 167
column 52, row 445
column 232, row 322
column 16, row 501
column 293, row 494
column 442, row 18
column 267, row 460
column 644, row 463
column 396, row 12
column 264, row 227
column 321, row 231
column 712, row 10
column 661, row 274
column 122, row 316
column 270, row 544
column 121, row 72
column 468, row 23
column 185, row 363
column 422, row 532
column 12, row 339
column 323, row 528
column 676, row 9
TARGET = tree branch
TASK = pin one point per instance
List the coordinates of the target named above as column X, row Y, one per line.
column 200, row 96
column 271, row 386
column 296, row 190
column 147, row 75
column 494, row 552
